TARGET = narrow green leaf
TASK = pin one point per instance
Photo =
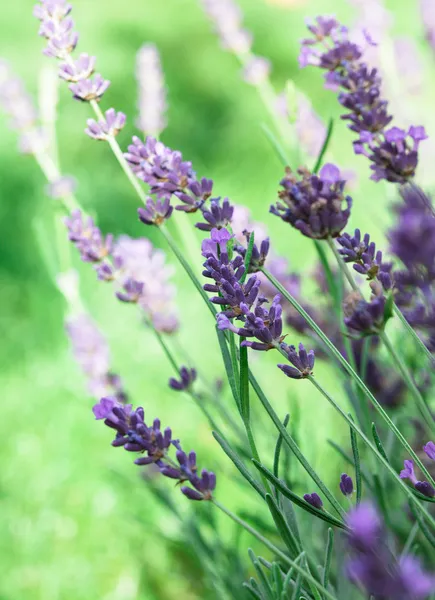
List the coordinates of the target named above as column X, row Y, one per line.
column 328, row 557
column 333, row 283
column 283, row 529
column 297, row 589
column 355, row 452
column 244, row 382
column 251, row 590
column 324, row 147
column 320, row 513
column 248, row 256
column 378, row 442
column 228, row 364
column 423, row 527
column 289, row 576
column 238, row 463
column 278, row 451
column 278, row 579
column 288, row 511
column 276, row 144
column 262, row 579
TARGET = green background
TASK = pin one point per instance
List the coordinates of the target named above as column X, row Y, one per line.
column 76, row 520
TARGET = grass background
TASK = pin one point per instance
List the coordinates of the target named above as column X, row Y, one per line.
column 76, row 521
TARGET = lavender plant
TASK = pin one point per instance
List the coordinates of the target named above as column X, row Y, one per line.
column 382, row 513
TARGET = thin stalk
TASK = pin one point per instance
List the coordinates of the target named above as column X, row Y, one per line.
column 308, row 578
column 380, row 457
column 408, row 380
column 347, row 367
column 413, row 333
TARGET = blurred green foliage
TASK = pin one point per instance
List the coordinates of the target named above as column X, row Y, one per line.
column 76, row 521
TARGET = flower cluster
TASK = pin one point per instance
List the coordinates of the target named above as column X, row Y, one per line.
column 393, row 152
column 314, row 204
column 137, row 268
column 109, row 126
column 154, row 444
column 302, row 361
column 57, row 27
column 91, row 352
column 424, row 487
column 152, row 91
column 372, row 566
column 187, row 377
column 366, row 318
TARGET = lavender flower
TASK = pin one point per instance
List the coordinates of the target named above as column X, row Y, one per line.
column 314, row 499
column 393, row 152
column 197, row 193
column 77, row 70
column 367, row 318
column 89, row 89
column 154, row 444
column 155, row 212
column 91, row 352
column 314, row 203
column 159, row 166
column 428, row 18
column 187, row 377
column 423, row 487
column 429, row 448
column 217, row 216
column 258, row 256
column 87, row 238
column 62, row 187
column 152, row 92
column 302, row 361
column 256, row 70
column 227, row 19
column 110, row 126
column 346, row 485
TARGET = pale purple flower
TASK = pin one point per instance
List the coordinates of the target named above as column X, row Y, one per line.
column 89, row 89
column 429, row 448
column 152, row 103
column 256, row 70
column 310, row 129
column 216, row 243
column 110, row 126
column 62, row 187
column 227, row 19
column 76, row 70
column 408, row 471
column 427, row 8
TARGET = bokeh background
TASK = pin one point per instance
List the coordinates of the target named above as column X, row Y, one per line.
column 77, row 521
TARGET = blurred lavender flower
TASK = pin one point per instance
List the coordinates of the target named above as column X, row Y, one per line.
column 314, row 203
column 314, row 499
column 393, row 152
column 227, row 19
column 429, row 448
column 365, row 317
column 409, row 64
column 90, row 89
column 310, row 129
column 256, row 70
column 91, row 352
column 423, row 487
column 187, row 377
column 87, row 238
column 76, row 70
column 302, row 361
column 110, row 126
column 136, row 436
column 346, row 485
column 62, row 187
column 372, row 566
column 159, row 166
column 152, row 92
column 427, row 9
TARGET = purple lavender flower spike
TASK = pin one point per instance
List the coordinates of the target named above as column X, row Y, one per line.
column 152, row 92
column 104, row 408
column 425, row 488
column 162, row 168
column 429, row 448
column 87, row 238
column 217, row 216
column 77, row 70
column 302, row 361
column 216, row 244
column 258, row 256
column 60, row 36
column 408, row 471
column 314, row 499
column 428, row 18
column 414, row 582
column 365, row 525
column 204, row 486
column 86, row 90
column 364, row 317
column 314, row 204
column 187, row 377
column 200, row 192
column 61, row 188
column 155, row 212
column 227, row 20
column 346, row 485
column 256, row 70
column 109, row 127
column 52, row 9
column 393, row 152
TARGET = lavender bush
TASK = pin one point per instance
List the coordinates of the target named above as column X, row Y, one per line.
column 370, row 531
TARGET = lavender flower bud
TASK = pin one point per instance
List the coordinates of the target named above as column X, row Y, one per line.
column 314, row 499
column 429, row 448
column 256, row 70
column 62, row 187
column 258, row 256
column 155, row 212
column 367, row 318
column 77, row 70
column 314, row 203
column 425, row 488
column 110, row 126
column 302, row 361
column 227, row 19
column 408, row 471
column 89, row 89
column 346, row 485
column 131, row 291
column 217, row 216
column 428, row 18
column 187, row 377
column 87, row 238
column 152, row 92
column 194, row 198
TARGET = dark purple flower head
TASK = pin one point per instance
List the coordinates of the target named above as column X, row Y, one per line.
column 217, row 216
column 87, row 237
column 89, row 89
column 302, row 361
column 346, row 485
column 263, row 324
column 314, row 204
column 367, row 318
column 111, row 125
column 425, row 488
column 159, row 166
column 314, row 499
column 259, row 254
column 393, row 152
column 195, row 196
column 429, row 448
column 76, row 70
column 155, row 212
column 187, row 377
column 204, row 486
column 131, row 291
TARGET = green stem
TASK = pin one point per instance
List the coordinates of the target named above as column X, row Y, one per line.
column 308, row 578
column 413, row 333
column 380, row 457
column 347, row 367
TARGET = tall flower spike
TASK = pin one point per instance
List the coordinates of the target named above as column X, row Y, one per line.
column 302, row 361
column 152, row 92
column 393, row 152
column 154, row 445
column 314, row 204
column 227, row 19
